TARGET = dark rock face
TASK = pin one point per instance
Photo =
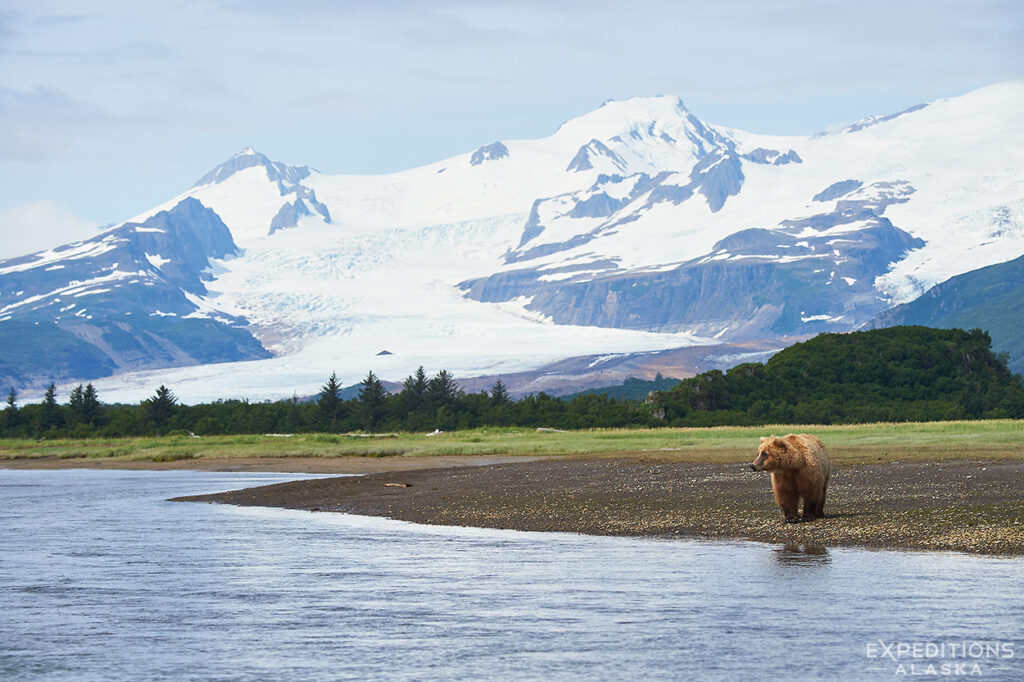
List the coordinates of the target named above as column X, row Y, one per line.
column 123, row 300
column 599, row 205
column 838, row 189
column 773, row 157
column 583, row 160
column 289, row 215
column 718, row 176
column 305, row 204
column 753, row 297
column 798, row 278
column 595, row 202
column 491, row 152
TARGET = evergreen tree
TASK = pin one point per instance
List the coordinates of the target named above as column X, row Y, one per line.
column 49, row 415
column 411, row 403
column 75, row 404
column 90, row 405
column 10, row 419
column 292, row 411
column 442, row 391
column 499, row 395
column 412, row 398
column 161, row 407
column 415, row 386
column 330, row 398
column 372, row 397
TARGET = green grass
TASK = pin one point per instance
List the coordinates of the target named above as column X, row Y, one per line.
column 862, row 443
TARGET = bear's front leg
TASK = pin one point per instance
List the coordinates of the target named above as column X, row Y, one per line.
column 786, row 495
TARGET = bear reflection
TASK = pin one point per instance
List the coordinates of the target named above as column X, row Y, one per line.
column 799, row 554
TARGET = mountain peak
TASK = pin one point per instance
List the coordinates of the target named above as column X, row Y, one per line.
column 615, row 117
column 249, row 157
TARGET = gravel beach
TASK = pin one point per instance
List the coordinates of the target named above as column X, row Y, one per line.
column 963, row 505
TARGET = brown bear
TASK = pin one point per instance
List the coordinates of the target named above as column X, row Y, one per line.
column 799, row 466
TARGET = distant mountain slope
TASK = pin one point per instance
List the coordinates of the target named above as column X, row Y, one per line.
column 130, row 298
column 634, row 228
column 990, row 298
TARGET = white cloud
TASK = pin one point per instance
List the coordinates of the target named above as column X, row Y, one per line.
column 40, row 225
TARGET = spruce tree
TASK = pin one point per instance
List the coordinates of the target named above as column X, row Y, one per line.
column 414, row 391
column 372, row 397
column 10, row 419
column 75, row 405
column 49, row 416
column 330, row 399
column 499, row 394
column 161, row 406
column 416, row 385
column 90, row 405
column 442, row 391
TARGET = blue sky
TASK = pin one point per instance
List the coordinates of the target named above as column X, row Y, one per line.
column 109, row 108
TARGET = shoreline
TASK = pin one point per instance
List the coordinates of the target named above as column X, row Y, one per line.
column 974, row 506
column 285, row 465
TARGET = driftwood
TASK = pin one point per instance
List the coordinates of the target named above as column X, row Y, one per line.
column 396, row 485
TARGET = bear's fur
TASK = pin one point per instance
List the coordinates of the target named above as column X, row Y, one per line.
column 800, row 467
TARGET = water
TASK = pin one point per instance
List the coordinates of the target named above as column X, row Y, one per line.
column 101, row 578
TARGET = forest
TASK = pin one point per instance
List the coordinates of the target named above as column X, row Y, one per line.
column 885, row 375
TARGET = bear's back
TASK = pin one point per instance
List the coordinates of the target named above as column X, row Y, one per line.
column 813, row 450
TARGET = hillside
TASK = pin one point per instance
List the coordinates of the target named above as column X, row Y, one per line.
column 893, row 374
column 990, row 298
column 632, row 388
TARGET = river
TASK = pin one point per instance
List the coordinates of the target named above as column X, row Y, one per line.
column 101, row 578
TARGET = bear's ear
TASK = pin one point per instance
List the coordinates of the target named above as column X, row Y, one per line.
column 780, row 443
column 763, row 439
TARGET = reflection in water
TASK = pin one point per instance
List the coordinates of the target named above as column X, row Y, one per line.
column 800, row 554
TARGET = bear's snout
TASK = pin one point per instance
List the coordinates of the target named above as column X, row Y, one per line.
column 753, row 468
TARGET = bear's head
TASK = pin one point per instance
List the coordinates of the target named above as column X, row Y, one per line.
column 769, row 454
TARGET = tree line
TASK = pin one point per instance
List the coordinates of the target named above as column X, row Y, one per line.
column 422, row 404
column 893, row 374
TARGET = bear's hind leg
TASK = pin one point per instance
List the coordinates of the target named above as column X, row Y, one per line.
column 812, row 491
column 786, row 495
column 817, row 508
column 812, row 509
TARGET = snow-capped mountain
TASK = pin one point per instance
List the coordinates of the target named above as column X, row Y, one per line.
column 634, row 228
column 130, row 298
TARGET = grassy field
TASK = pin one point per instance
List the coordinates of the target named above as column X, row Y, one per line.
column 856, row 444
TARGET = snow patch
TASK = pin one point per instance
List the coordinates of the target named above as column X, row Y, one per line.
column 156, row 260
